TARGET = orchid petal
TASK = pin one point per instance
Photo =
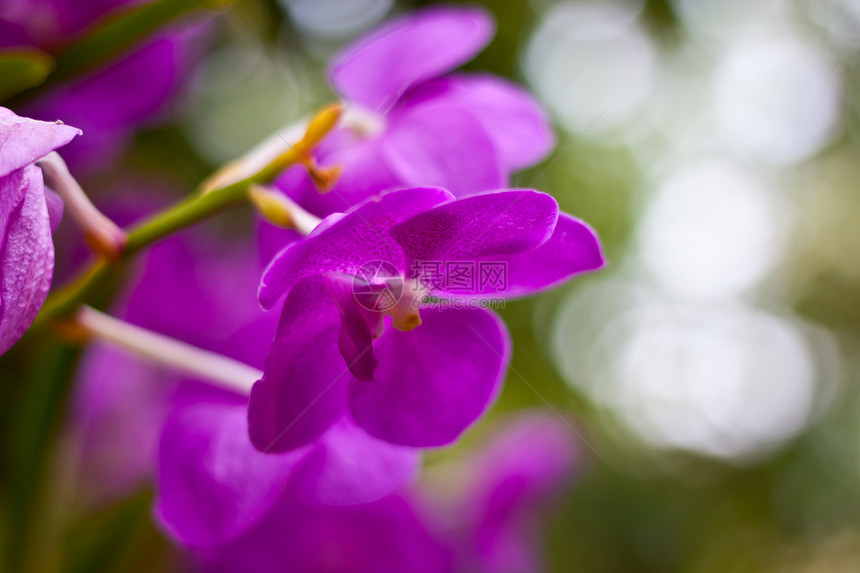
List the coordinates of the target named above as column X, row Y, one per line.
column 445, row 146
column 23, row 141
column 212, row 483
column 347, row 466
column 519, row 128
column 377, row 69
column 433, row 382
column 355, row 239
column 26, row 252
column 303, row 389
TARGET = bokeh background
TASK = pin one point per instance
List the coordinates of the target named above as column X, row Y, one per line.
column 711, row 370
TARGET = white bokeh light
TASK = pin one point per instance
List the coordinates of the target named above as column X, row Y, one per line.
column 840, row 19
column 725, row 380
column 776, row 99
column 711, row 231
column 240, row 96
column 592, row 64
column 336, row 18
column 725, row 19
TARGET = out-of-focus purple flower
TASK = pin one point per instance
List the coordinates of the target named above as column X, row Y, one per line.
column 213, row 484
column 413, row 125
column 49, row 23
column 28, row 214
column 489, row 525
column 386, row 535
column 521, row 472
column 190, row 289
column 425, row 381
column 138, row 421
column 110, row 102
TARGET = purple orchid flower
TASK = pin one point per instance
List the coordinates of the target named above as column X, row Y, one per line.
column 29, row 212
column 186, row 288
column 212, row 484
column 490, row 525
column 107, row 103
column 526, row 467
column 413, row 125
column 426, row 380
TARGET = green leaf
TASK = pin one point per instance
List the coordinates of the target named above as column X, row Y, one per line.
column 121, row 538
column 22, row 68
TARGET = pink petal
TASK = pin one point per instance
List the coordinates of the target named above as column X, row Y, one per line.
column 376, row 70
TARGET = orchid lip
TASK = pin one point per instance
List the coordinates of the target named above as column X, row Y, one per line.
column 381, row 290
column 405, row 315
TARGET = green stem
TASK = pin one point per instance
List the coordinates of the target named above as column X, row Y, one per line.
column 196, row 208
column 188, row 212
column 94, row 282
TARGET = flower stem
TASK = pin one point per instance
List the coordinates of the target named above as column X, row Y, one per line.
column 214, row 367
column 93, row 282
column 186, row 213
column 204, row 203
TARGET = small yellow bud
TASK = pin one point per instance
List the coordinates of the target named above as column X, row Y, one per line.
column 272, row 205
column 320, row 125
column 279, row 210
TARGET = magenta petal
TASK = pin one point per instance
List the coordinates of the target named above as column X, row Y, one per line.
column 445, row 146
column 303, row 389
column 434, row 381
column 347, row 466
column 354, row 338
column 518, row 126
column 377, row 69
column 26, row 252
column 499, row 223
column 119, row 400
column 359, row 237
column 212, row 483
column 24, row 140
column 573, row 249
column 55, row 209
column 379, row 537
column 122, row 94
column 525, row 467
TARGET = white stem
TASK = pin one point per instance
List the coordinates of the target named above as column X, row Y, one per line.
column 168, row 351
column 102, row 234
